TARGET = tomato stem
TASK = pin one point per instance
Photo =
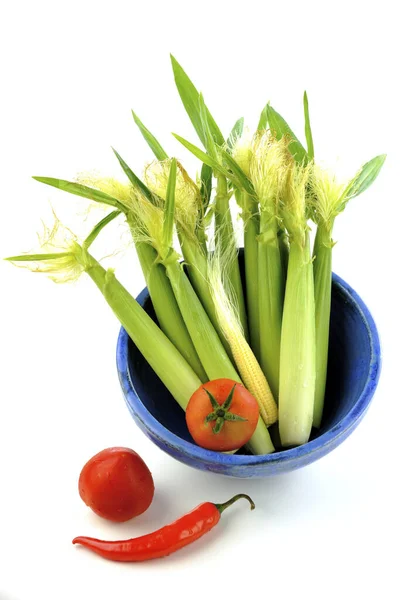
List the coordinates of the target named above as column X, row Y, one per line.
column 220, row 412
column 222, row 507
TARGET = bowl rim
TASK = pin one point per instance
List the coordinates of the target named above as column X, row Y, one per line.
column 345, row 425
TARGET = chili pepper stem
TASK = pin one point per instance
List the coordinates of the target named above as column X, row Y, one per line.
column 222, row 507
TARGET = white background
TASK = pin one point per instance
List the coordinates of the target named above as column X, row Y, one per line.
column 70, row 73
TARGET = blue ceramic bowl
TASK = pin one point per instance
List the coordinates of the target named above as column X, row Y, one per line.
column 353, row 373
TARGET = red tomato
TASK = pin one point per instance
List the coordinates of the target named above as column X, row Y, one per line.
column 222, row 415
column 116, row 484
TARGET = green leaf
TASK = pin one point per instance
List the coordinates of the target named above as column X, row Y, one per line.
column 206, row 185
column 209, row 140
column 207, row 159
column 364, row 178
column 134, row 179
column 263, row 122
column 190, row 99
column 198, row 152
column 309, row 138
column 235, row 134
column 37, row 257
column 82, row 190
column 155, row 146
column 169, row 208
column 99, row 227
column 240, row 177
column 280, row 128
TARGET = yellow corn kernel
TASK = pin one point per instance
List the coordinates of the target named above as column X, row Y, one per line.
column 227, row 314
column 252, row 375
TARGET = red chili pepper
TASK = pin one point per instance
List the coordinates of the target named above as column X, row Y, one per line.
column 166, row 540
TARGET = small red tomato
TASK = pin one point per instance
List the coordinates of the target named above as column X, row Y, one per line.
column 222, row 415
column 116, row 484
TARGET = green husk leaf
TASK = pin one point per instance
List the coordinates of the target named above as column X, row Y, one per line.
column 263, row 122
column 166, row 308
column 167, row 362
column 83, row 191
column 208, row 137
column 190, row 99
column 225, row 240
column 235, row 174
column 206, row 185
column 251, row 222
column 209, row 347
column 270, row 299
column 298, row 354
column 322, row 266
column 309, row 138
column 236, row 133
column 196, row 262
column 364, row 178
column 239, row 175
column 280, row 128
column 205, row 158
column 154, row 144
column 169, row 209
column 37, row 257
column 134, row 179
column 99, row 227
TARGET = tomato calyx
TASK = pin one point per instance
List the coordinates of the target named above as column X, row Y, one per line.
column 220, row 412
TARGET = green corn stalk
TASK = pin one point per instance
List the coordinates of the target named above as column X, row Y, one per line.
column 162, row 297
column 73, row 259
column 267, row 173
column 251, row 227
column 66, row 260
column 297, row 357
column 213, row 140
column 329, row 198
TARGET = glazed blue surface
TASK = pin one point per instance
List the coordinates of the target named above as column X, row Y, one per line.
column 353, row 373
